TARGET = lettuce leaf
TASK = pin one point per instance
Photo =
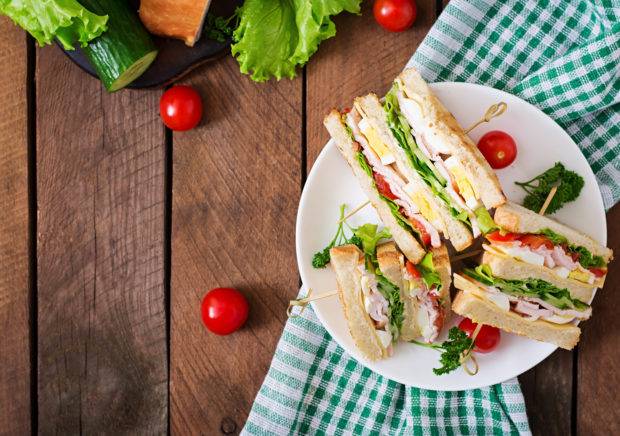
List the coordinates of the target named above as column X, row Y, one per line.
column 429, row 274
column 586, row 258
column 276, row 36
column 66, row 20
column 535, row 288
column 396, row 307
column 485, row 222
column 369, row 236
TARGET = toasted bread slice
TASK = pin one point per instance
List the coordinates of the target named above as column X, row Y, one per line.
column 347, row 146
column 518, row 219
column 510, row 268
column 472, row 305
column 440, row 127
column 456, row 231
column 345, row 260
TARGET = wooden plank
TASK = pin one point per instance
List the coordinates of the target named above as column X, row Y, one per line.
column 102, row 363
column 14, row 276
column 342, row 70
column 599, row 351
column 547, row 389
column 236, row 183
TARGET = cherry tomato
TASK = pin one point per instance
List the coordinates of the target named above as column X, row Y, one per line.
column 498, row 148
column 487, row 339
column 395, row 15
column 224, row 310
column 598, row 272
column 180, row 108
column 536, row 241
column 383, row 187
column 497, row 236
column 413, row 270
column 424, row 235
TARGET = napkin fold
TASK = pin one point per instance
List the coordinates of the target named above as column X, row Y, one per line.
column 563, row 57
column 314, row 387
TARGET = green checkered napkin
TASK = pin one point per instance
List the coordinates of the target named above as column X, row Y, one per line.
column 563, row 56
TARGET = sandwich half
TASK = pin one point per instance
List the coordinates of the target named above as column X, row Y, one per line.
column 462, row 176
column 425, row 289
column 371, row 302
column 530, row 307
column 386, row 297
column 542, row 247
column 406, row 231
column 411, row 178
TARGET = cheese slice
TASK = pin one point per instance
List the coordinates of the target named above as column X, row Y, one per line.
column 375, row 142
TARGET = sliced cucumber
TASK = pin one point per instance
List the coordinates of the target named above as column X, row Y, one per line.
column 122, row 53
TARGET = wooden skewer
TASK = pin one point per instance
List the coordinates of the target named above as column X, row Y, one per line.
column 468, row 354
column 493, row 111
column 354, row 211
column 465, row 255
column 547, row 202
column 303, row 302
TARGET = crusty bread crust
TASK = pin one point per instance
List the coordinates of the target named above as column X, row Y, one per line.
column 515, row 218
column 344, row 261
column 486, row 312
column 443, row 127
column 509, row 268
column 456, row 231
column 405, row 240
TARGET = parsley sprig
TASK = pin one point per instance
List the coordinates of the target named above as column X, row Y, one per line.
column 322, row 258
column 453, row 351
column 539, row 187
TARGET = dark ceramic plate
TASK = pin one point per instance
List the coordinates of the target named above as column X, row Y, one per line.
column 174, row 59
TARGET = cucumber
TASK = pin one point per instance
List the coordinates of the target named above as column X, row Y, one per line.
column 122, row 53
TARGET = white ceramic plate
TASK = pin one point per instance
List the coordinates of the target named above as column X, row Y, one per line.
column 541, row 143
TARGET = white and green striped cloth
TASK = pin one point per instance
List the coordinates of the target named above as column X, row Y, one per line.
column 562, row 56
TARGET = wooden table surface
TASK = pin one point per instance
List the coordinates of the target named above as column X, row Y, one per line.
column 112, row 229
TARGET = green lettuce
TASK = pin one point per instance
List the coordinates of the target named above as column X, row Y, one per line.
column 429, row 274
column 485, row 222
column 586, row 258
column 276, row 36
column 66, row 20
column 369, row 237
column 535, row 288
column 396, row 307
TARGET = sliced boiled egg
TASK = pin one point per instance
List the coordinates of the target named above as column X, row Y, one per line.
column 419, row 199
column 582, row 276
column 459, row 175
column 561, row 271
column 523, row 254
column 375, row 142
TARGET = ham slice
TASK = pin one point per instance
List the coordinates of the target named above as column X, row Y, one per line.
column 180, row 19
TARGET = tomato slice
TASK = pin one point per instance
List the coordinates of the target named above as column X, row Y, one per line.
column 496, row 236
column 424, row 235
column 383, row 187
column 536, row 241
column 413, row 270
column 598, row 272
